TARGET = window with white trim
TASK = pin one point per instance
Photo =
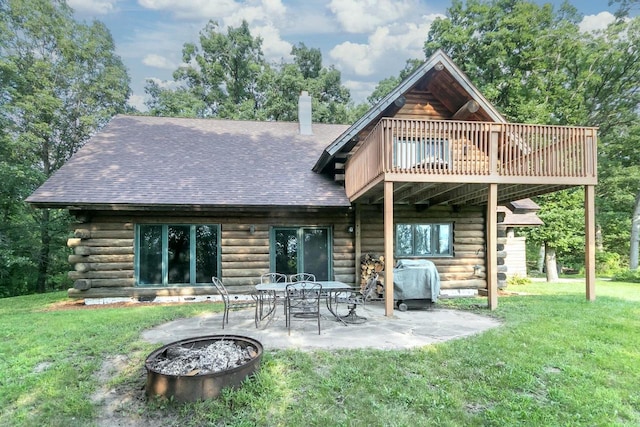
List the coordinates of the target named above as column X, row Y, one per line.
column 431, row 153
column 425, row 239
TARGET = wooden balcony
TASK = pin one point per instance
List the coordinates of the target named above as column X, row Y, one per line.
column 451, row 161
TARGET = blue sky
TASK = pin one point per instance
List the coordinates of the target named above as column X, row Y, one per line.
column 367, row 40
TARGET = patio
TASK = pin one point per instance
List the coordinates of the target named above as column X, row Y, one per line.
column 412, row 328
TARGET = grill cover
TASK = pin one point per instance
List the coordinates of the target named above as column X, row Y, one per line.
column 416, row 279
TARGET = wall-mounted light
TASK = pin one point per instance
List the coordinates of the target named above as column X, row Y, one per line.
column 350, row 229
column 400, row 101
column 476, row 270
column 252, row 229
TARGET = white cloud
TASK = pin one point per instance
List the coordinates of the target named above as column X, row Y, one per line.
column 387, row 48
column 597, row 22
column 193, row 9
column 273, row 46
column 356, row 57
column 232, row 12
column 362, row 16
column 93, row 7
column 359, row 89
column 137, row 101
column 263, row 16
column 164, row 84
column 158, row 61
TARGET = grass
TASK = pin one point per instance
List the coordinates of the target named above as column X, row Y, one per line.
column 557, row 360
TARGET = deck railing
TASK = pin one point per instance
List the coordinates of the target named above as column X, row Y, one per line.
column 460, row 151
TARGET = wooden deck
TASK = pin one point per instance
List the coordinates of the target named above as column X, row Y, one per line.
column 450, row 161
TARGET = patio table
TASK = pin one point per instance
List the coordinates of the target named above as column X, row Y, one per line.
column 267, row 292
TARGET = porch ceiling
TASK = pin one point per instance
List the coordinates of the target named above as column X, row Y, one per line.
column 454, row 194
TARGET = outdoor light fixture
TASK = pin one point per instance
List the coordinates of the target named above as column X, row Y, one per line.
column 350, row 229
column 400, row 101
column 476, row 270
column 252, row 229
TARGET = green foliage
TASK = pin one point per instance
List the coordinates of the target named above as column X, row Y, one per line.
column 563, row 215
column 632, row 276
column 608, row 263
column 517, row 280
column 226, row 76
column 519, row 55
column 61, row 81
column 387, row 85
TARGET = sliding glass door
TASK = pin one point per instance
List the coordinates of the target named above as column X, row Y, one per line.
column 301, row 250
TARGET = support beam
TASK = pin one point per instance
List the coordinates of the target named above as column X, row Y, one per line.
column 388, row 248
column 469, row 108
column 492, row 247
column 358, row 247
column 590, row 241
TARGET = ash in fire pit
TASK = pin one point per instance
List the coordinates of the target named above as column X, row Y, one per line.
column 198, row 368
column 215, row 357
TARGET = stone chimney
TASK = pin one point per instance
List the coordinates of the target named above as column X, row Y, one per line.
column 304, row 113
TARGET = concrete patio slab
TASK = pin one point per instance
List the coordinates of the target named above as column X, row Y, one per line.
column 409, row 329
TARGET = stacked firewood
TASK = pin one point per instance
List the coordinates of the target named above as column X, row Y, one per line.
column 372, row 265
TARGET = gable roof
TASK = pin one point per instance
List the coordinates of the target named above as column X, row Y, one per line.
column 139, row 161
column 439, row 61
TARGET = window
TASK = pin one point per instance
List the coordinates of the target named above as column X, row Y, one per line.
column 176, row 254
column 301, row 250
column 414, row 240
column 431, row 153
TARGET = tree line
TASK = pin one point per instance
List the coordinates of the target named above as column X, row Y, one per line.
column 61, row 81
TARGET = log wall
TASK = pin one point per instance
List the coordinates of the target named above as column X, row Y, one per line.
column 469, row 241
column 103, row 250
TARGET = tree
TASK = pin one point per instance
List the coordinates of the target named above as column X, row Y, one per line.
column 385, row 86
column 226, row 76
column 562, row 234
column 220, row 75
column 180, row 102
column 61, row 82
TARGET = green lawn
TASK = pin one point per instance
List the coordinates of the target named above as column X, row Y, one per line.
column 557, row 360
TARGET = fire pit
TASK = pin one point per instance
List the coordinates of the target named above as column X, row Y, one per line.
column 199, row 368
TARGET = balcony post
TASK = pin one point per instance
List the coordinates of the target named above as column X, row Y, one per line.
column 496, row 130
column 492, row 247
column 590, row 241
column 388, row 248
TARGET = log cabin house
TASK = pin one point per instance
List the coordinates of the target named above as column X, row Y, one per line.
column 163, row 204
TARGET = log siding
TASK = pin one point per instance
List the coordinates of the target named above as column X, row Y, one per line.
column 103, row 258
column 466, row 269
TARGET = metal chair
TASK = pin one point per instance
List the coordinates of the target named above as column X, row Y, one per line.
column 273, row 278
column 355, row 298
column 302, row 300
column 229, row 302
column 302, row 277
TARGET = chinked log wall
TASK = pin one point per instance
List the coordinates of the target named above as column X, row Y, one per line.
column 103, row 258
column 469, row 242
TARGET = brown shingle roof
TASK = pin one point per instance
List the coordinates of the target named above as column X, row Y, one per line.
column 158, row 161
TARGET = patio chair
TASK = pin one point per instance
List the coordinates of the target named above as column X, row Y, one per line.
column 302, row 277
column 355, row 298
column 275, row 278
column 302, row 300
column 229, row 302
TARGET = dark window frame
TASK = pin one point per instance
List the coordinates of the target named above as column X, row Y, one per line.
column 300, row 256
column 164, row 262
